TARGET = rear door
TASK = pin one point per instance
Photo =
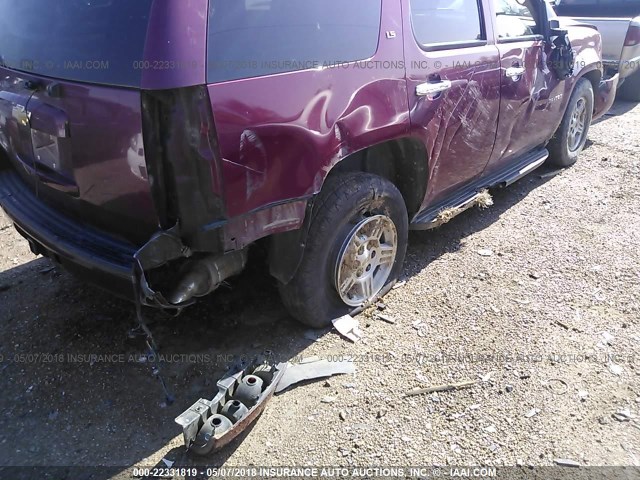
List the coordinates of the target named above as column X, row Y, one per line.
column 453, row 78
column 531, row 93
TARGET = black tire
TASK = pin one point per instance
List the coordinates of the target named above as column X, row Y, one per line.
column 345, row 200
column 630, row 89
column 562, row 155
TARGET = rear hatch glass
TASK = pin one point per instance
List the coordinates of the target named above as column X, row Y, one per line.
column 96, row 41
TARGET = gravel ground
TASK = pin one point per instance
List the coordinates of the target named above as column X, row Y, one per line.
column 536, row 298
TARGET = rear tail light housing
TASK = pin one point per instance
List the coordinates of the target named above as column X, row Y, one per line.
column 633, row 35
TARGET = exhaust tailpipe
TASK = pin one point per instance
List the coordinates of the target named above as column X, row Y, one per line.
column 205, row 275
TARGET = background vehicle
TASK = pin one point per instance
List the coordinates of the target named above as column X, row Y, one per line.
column 328, row 128
column 619, row 23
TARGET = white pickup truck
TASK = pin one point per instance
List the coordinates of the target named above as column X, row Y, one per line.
column 619, row 23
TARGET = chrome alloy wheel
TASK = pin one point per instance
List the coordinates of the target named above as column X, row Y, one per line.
column 578, row 125
column 366, row 260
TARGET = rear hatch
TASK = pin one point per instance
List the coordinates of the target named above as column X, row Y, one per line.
column 71, row 79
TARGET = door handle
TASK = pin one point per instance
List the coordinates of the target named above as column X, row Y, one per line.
column 432, row 88
column 515, row 72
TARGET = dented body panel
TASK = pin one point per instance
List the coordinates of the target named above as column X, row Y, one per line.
column 280, row 135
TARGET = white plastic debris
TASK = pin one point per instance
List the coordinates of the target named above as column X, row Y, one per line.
column 348, row 327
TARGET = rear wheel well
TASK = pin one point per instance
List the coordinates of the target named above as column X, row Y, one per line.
column 401, row 161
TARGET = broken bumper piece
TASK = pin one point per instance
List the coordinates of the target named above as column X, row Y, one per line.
column 605, row 96
column 209, row 425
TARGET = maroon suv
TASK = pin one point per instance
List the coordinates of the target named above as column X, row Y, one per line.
column 147, row 144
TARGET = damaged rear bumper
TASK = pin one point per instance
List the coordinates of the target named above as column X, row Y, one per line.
column 112, row 263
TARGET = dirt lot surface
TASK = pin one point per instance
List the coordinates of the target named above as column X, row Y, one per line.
column 536, row 298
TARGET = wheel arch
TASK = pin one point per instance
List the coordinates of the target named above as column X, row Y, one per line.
column 403, row 161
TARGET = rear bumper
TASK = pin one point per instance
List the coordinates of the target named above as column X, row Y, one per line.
column 605, row 96
column 93, row 255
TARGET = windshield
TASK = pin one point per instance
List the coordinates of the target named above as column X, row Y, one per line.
column 97, row 41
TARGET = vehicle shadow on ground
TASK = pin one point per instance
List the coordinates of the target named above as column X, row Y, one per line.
column 112, row 410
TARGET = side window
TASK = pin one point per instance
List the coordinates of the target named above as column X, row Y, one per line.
column 515, row 19
column 250, row 38
column 446, row 21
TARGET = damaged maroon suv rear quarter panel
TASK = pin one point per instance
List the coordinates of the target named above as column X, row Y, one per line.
column 280, row 134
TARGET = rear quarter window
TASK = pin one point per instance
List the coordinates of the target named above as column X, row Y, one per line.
column 251, row 38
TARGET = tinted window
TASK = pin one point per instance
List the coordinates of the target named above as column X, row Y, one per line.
column 604, row 8
column 249, row 38
column 446, row 21
column 92, row 41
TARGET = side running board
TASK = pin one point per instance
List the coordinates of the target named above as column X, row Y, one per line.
column 476, row 192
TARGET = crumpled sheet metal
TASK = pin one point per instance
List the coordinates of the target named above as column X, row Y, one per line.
column 312, row 371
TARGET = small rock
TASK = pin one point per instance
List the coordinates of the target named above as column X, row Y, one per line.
column 603, row 420
column 617, row 370
column 343, row 415
column 406, row 439
column 381, row 306
column 532, row 413
column 608, row 338
column 508, row 388
column 535, row 275
column 327, row 384
column 563, row 462
column 349, row 385
column 328, row 399
column 623, row 415
column 583, row 395
column 381, row 413
column 486, row 378
column 485, row 252
column 490, row 429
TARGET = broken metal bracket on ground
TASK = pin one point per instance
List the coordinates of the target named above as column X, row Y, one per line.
column 209, row 425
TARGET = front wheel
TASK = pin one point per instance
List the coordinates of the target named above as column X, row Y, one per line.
column 571, row 136
column 356, row 246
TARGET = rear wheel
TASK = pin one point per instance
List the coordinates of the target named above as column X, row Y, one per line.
column 571, row 136
column 356, row 246
column 630, row 89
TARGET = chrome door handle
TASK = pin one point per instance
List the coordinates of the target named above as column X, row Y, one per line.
column 429, row 88
column 515, row 72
